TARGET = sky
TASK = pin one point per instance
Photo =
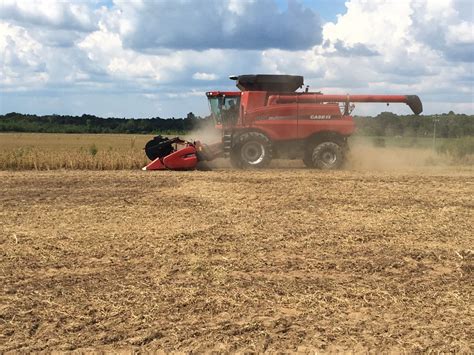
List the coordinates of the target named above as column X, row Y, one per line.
column 144, row 58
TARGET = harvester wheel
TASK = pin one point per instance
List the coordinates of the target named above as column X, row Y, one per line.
column 253, row 150
column 325, row 155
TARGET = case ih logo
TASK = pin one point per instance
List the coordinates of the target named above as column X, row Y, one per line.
column 320, row 117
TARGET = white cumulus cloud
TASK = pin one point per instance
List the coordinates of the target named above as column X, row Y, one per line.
column 204, row 76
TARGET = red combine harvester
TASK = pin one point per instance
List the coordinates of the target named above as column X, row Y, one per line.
column 269, row 119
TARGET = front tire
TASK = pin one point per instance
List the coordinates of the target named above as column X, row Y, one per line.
column 325, row 156
column 253, row 150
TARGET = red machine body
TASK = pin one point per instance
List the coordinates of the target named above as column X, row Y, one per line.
column 286, row 117
column 297, row 116
column 268, row 119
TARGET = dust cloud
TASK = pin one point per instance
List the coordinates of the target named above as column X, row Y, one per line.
column 363, row 155
column 206, row 135
column 209, row 135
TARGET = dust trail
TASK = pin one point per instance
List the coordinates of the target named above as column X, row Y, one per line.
column 365, row 156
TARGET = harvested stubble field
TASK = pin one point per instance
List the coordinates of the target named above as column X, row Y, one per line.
column 277, row 259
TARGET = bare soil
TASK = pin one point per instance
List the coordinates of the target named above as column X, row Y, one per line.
column 279, row 259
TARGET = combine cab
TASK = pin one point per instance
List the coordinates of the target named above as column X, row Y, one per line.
column 269, row 119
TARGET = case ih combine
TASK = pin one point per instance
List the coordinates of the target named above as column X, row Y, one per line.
column 269, row 119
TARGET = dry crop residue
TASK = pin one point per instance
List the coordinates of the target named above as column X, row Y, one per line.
column 236, row 260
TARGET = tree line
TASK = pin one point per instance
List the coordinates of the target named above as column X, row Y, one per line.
column 17, row 122
column 448, row 125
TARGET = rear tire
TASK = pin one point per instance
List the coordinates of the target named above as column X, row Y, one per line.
column 252, row 150
column 325, row 156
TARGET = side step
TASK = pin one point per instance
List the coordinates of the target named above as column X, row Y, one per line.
column 227, row 141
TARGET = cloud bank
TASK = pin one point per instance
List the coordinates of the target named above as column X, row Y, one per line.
column 144, row 58
column 243, row 25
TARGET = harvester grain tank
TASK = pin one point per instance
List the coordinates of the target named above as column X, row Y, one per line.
column 268, row 118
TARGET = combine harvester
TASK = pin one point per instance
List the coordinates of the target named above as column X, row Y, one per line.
column 269, row 119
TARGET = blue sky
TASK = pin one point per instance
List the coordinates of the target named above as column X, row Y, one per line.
column 327, row 9
column 142, row 58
